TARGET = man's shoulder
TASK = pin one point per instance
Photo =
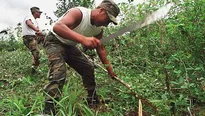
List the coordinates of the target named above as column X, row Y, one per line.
column 28, row 17
column 83, row 8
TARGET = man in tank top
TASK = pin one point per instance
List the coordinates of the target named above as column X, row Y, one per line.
column 77, row 25
column 31, row 33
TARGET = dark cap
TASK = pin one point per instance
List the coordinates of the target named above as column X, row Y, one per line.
column 35, row 9
column 112, row 9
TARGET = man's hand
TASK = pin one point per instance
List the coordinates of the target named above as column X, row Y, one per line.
column 91, row 42
column 112, row 75
column 39, row 33
column 110, row 72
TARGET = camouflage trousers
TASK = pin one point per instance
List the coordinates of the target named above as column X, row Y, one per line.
column 31, row 44
column 59, row 55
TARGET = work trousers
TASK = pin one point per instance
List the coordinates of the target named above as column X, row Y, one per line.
column 31, row 43
column 59, row 55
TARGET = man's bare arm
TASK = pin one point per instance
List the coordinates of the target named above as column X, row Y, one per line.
column 102, row 53
column 30, row 24
column 64, row 29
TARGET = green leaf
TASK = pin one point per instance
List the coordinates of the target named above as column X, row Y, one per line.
column 181, row 80
column 177, row 71
column 174, row 82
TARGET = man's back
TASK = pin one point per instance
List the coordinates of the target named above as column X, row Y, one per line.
column 84, row 27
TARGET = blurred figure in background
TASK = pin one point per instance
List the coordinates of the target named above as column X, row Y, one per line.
column 32, row 36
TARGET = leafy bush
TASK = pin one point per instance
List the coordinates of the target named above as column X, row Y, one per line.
column 163, row 62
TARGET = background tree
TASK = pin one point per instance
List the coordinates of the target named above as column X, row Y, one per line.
column 64, row 5
column 19, row 30
column 11, row 39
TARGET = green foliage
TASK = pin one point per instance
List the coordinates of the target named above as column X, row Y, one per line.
column 10, row 44
column 64, row 5
column 8, row 40
column 163, row 62
column 169, row 53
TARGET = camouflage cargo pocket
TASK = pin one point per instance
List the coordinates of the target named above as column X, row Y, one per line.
column 27, row 40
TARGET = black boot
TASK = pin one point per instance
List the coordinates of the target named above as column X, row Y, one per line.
column 92, row 98
column 33, row 70
column 49, row 108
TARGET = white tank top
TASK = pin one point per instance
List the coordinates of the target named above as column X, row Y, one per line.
column 84, row 28
column 26, row 30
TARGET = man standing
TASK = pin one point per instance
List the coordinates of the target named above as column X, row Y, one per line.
column 77, row 25
column 30, row 31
